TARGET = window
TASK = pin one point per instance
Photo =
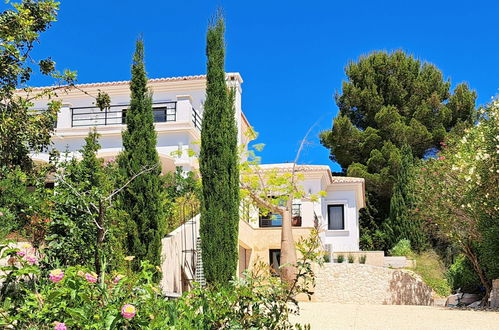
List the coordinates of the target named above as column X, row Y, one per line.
column 123, row 116
column 275, row 260
column 271, row 220
column 164, row 114
column 336, row 217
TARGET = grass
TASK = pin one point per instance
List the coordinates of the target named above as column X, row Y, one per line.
column 432, row 271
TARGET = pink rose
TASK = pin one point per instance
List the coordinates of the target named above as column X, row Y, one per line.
column 91, row 277
column 128, row 311
column 117, row 278
column 56, row 275
column 31, row 259
column 59, row 326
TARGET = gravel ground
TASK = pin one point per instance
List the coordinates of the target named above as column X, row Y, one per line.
column 387, row 317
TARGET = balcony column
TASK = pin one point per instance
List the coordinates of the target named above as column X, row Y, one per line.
column 184, row 108
column 64, row 116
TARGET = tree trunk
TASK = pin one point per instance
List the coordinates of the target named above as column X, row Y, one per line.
column 100, row 239
column 468, row 251
column 288, row 250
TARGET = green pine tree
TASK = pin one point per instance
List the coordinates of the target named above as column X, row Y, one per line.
column 401, row 223
column 219, row 167
column 142, row 198
column 387, row 101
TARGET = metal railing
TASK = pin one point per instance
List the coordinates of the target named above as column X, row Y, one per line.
column 196, row 119
column 116, row 114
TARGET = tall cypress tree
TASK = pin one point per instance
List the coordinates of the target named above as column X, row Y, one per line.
column 141, row 199
column 401, row 223
column 219, row 166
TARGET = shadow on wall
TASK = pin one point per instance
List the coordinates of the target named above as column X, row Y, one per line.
column 407, row 290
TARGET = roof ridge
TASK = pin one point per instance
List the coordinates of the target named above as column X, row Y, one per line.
column 152, row 80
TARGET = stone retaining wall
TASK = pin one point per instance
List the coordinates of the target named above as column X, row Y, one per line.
column 494, row 295
column 366, row 284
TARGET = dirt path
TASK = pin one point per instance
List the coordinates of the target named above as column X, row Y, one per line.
column 336, row 316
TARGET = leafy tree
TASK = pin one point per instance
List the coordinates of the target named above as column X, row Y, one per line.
column 142, row 198
column 390, row 100
column 219, row 167
column 457, row 194
column 401, row 223
column 22, row 130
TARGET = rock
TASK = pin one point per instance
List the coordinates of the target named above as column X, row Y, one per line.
column 469, row 298
column 475, row 304
column 452, row 300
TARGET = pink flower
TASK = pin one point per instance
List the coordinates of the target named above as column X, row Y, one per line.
column 31, row 259
column 91, row 277
column 59, row 326
column 117, row 278
column 423, row 169
column 21, row 253
column 56, row 275
column 1, row 214
column 441, row 158
column 128, row 311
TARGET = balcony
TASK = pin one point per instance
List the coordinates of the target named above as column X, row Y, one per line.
column 116, row 115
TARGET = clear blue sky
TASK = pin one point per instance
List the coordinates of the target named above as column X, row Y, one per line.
column 291, row 54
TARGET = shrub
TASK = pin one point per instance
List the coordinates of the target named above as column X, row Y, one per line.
column 327, row 257
column 362, row 259
column 432, row 270
column 350, row 259
column 340, row 258
column 461, row 275
column 75, row 296
column 402, row 248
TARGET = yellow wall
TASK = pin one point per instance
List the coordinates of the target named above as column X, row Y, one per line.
column 255, row 243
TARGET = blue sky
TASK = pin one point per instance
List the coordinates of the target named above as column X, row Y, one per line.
column 291, row 54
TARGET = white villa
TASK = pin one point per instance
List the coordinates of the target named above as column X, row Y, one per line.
column 178, row 112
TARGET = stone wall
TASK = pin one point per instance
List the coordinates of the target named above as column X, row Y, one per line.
column 366, row 284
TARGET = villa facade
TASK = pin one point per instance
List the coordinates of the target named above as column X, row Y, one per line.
column 178, row 112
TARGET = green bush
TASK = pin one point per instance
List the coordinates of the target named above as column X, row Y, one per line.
column 340, row 258
column 7, row 222
column 432, row 270
column 402, row 248
column 461, row 275
column 362, row 259
column 35, row 299
column 350, row 259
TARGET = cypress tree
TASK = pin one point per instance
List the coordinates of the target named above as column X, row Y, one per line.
column 401, row 224
column 219, row 166
column 142, row 198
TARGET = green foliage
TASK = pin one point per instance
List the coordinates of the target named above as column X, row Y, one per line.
column 219, row 167
column 461, row 275
column 388, row 101
column 7, row 222
column 72, row 232
column 183, row 195
column 401, row 223
column 340, row 258
column 457, row 193
column 142, row 199
column 402, row 248
column 432, row 271
column 351, row 259
column 23, row 131
column 362, row 259
column 255, row 301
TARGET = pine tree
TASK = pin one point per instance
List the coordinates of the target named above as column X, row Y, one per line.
column 142, row 198
column 219, row 167
column 401, row 224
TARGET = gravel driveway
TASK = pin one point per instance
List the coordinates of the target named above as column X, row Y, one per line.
column 337, row 316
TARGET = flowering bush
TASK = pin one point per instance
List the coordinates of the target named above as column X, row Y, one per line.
column 75, row 298
column 458, row 193
column 71, row 298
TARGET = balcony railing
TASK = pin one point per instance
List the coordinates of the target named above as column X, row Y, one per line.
column 116, row 114
column 196, row 119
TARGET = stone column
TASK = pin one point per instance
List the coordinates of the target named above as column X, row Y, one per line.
column 494, row 295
